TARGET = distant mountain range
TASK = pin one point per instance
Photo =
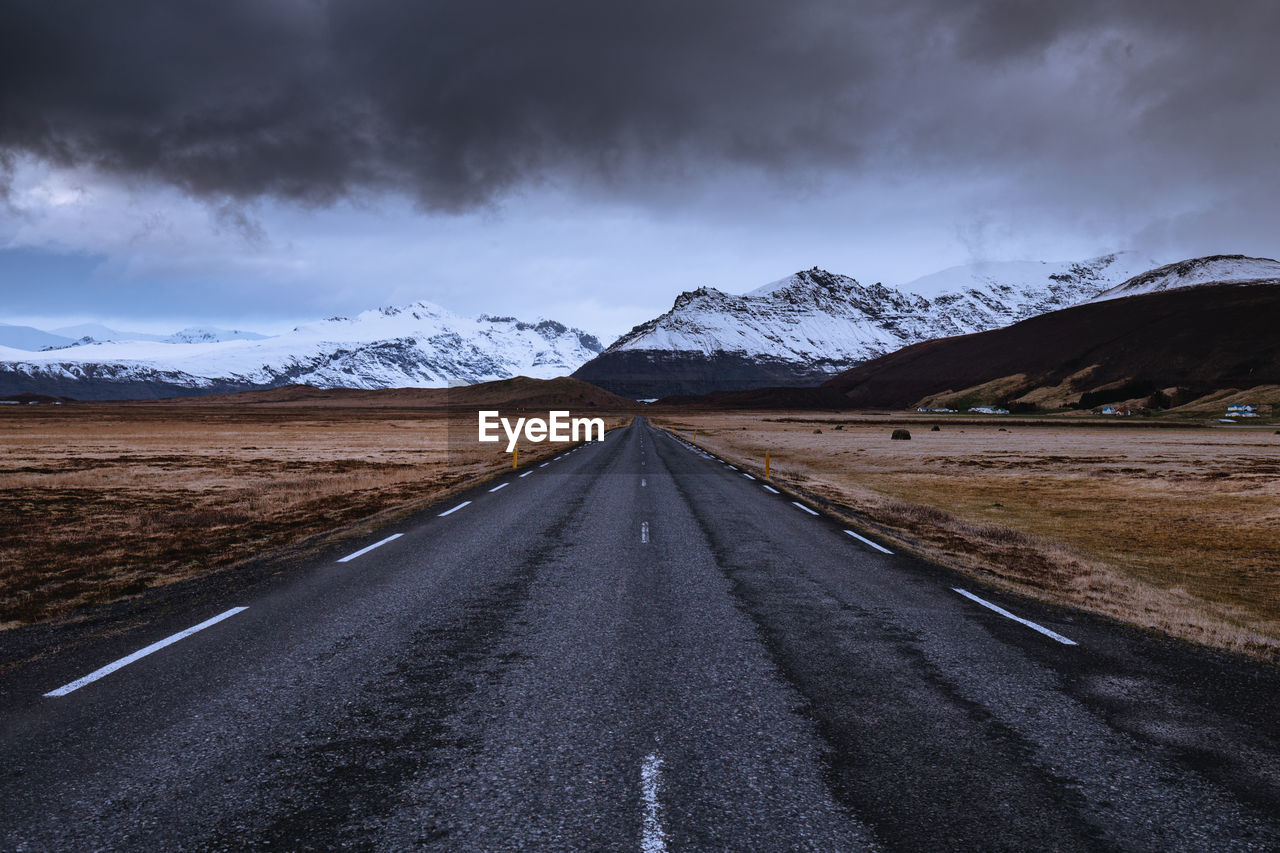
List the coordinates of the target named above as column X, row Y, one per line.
column 1178, row 334
column 38, row 340
column 420, row 345
column 810, row 326
column 796, row 332
column 1179, row 343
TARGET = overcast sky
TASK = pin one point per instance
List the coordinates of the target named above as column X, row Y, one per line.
column 250, row 163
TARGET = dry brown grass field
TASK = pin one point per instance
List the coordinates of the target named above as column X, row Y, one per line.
column 100, row 501
column 1171, row 529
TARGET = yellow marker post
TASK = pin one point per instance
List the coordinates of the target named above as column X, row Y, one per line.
column 766, row 466
column 695, row 435
column 515, row 457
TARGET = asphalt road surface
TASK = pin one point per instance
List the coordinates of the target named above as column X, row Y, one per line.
column 634, row 647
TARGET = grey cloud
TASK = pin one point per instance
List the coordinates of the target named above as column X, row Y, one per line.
column 453, row 103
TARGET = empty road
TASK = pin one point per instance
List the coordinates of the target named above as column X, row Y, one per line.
column 635, row 646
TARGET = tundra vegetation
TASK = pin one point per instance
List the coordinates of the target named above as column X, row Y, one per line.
column 101, row 501
column 1171, row 529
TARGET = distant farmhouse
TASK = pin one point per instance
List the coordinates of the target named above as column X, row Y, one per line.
column 1242, row 410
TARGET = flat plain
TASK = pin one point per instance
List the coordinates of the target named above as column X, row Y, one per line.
column 101, row 501
column 1173, row 529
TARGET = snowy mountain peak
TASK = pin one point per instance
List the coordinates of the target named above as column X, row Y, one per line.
column 420, row 345
column 197, row 335
column 807, row 281
column 1198, row 272
column 809, row 325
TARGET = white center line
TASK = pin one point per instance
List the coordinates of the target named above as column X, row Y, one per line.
column 748, row 476
column 1053, row 635
column 642, row 482
column 803, row 507
column 869, row 542
column 544, row 464
column 731, row 467
column 525, row 474
column 455, row 509
column 142, row 653
column 652, row 838
column 644, row 531
column 499, row 486
column 368, row 548
column 771, row 489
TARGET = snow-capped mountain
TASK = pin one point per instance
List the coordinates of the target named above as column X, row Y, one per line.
column 30, row 338
column 194, row 335
column 421, row 345
column 1196, row 272
column 802, row 329
column 99, row 332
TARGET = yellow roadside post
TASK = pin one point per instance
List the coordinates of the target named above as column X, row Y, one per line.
column 515, row 457
column 766, row 466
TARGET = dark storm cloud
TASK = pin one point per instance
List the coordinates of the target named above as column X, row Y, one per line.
column 454, row 102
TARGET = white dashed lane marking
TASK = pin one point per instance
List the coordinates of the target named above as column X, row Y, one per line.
column 455, row 509
column 368, row 548
column 142, row 653
column 1053, row 635
column 770, row 489
column 499, row 486
column 652, row 837
column 869, row 542
column 799, row 505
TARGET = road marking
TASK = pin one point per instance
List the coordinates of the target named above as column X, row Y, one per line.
column 771, row 489
column 644, row 531
column 499, row 486
column 1053, row 635
column 525, row 474
column 455, row 509
column 544, row 464
column 748, row 476
column 642, row 482
column 652, row 838
column 142, row 653
column 731, row 467
column 869, row 542
column 368, row 548
column 803, row 507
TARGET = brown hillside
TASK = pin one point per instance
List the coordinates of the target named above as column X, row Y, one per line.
column 1199, row 340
